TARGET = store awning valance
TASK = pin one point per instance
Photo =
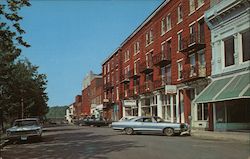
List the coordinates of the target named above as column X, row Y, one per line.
column 234, row 87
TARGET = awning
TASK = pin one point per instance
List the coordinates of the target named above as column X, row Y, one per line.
column 234, row 87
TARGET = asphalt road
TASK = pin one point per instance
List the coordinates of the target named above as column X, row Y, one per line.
column 72, row 142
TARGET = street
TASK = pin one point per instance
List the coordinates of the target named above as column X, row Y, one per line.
column 104, row 143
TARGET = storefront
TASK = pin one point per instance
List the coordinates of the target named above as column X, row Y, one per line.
column 130, row 108
column 230, row 97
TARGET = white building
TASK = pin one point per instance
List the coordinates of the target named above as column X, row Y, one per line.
column 70, row 114
column 229, row 91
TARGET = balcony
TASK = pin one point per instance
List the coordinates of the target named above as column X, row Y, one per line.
column 160, row 83
column 125, row 78
column 146, row 67
column 191, row 73
column 147, row 87
column 108, row 86
column 193, row 42
column 162, row 59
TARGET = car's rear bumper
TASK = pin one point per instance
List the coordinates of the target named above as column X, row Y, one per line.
column 24, row 137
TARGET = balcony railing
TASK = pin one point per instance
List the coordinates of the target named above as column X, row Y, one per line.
column 146, row 67
column 147, row 87
column 160, row 83
column 193, row 42
column 108, row 86
column 193, row 72
column 125, row 78
column 162, row 59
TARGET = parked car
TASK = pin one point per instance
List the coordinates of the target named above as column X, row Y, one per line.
column 92, row 121
column 150, row 124
column 24, row 129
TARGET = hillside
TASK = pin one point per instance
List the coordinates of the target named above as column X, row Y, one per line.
column 56, row 112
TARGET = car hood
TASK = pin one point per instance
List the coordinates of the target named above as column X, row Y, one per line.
column 24, row 128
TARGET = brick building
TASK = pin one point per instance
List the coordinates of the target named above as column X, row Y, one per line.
column 111, row 71
column 77, row 105
column 162, row 65
column 96, row 89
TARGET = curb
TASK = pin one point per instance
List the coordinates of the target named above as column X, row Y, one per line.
column 222, row 138
column 3, row 143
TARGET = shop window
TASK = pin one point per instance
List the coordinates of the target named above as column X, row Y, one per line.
column 202, row 111
column 229, row 51
column 246, row 46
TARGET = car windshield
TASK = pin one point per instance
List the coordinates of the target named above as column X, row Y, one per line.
column 25, row 123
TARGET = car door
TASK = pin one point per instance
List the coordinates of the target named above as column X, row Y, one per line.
column 148, row 124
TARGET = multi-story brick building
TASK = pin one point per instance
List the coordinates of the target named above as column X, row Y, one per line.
column 77, row 105
column 111, row 71
column 87, row 93
column 164, row 63
column 96, row 90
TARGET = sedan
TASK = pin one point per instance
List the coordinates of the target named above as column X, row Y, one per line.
column 24, row 129
column 150, row 124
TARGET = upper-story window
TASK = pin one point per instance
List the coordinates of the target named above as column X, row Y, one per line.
column 180, row 13
column 191, row 6
column 229, row 51
column 126, row 71
column 149, row 59
column 126, row 56
column 104, row 80
column 192, row 65
column 108, row 78
column 108, row 69
column 136, row 47
column 179, row 41
column 104, row 69
column 163, row 26
column 180, row 70
column 168, row 22
column 149, row 37
column 117, row 76
column 192, row 33
column 246, row 45
column 200, row 3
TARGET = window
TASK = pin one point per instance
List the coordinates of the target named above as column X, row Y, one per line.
column 168, row 21
column 117, row 76
column 104, row 80
column 149, row 59
column 191, row 6
column 192, row 65
column 202, row 111
column 229, row 51
column 163, row 29
column 192, row 34
column 201, row 31
column 180, row 14
column 180, row 68
column 180, row 41
column 117, row 93
column 168, row 72
column 108, row 67
column 104, row 69
column 202, row 61
column 149, row 37
column 126, row 57
column 200, row 3
column 136, row 47
column 108, row 78
column 246, row 45
column 135, row 67
column 168, row 49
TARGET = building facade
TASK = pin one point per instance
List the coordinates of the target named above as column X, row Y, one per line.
column 96, row 89
column 229, row 93
column 166, row 62
column 78, row 107
column 111, row 71
column 70, row 114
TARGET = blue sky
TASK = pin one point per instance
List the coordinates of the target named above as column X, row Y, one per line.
column 69, row 38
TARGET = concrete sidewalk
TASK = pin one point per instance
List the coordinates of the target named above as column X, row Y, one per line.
column 242, row 137
column 3, row 140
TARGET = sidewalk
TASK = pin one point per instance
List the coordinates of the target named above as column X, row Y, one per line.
column 3, row 140
column 242, row 137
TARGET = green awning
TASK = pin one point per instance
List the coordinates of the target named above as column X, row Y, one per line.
column 227, row 88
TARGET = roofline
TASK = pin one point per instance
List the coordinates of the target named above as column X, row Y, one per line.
column 112, row 54
column 137, row 29
column 145, row 22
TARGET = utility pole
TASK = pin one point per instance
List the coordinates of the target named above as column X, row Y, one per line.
column 22, row 107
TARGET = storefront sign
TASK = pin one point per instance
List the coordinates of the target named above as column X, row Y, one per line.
column 170, row 89
column 130, row 103
column 105, row 100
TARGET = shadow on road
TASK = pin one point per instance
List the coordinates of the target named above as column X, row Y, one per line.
column 72, row 145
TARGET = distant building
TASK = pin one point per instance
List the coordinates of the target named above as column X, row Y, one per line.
column 70, row 113
column 78, row 107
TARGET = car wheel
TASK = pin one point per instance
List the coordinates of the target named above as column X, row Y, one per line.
column 169, row 131
column 129, row 131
